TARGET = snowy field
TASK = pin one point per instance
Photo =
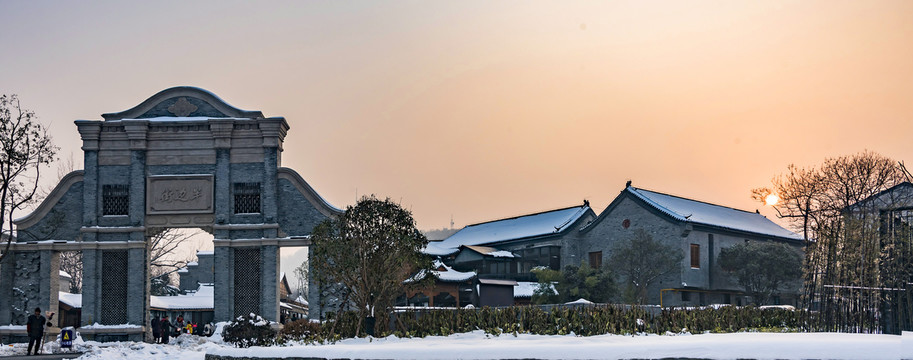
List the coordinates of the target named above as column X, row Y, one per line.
column 478, row 345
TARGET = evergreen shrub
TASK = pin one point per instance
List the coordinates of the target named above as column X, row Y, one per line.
column 578, row 320
column 250, row 330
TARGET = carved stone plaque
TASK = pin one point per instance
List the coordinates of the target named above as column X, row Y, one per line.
column 179, row 194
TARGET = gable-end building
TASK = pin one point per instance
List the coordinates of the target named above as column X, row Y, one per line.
column 697, row 228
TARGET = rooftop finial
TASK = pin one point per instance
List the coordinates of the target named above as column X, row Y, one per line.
column 586, row 202
column 628, row 184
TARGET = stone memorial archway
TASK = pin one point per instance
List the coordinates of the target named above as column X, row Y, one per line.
column 182, row 158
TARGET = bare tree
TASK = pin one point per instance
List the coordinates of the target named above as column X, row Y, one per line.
column 25, row 148
column 71, row 263
column 843, row 207
column 301, row 274
column 163, row 259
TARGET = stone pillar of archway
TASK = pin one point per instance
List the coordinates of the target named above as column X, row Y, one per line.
column 29, row 279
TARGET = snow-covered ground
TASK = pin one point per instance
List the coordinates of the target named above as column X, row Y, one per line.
column 478, row 345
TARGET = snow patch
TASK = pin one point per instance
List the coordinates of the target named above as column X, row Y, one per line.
column 73, row 300
column 120, row 326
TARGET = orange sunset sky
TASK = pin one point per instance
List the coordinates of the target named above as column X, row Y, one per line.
column 483, row 110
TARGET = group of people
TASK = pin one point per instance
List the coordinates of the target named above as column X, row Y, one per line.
column 163, row 328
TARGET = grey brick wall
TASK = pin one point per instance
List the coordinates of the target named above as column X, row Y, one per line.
column 63, row 220
column 30, row 279
column 297, row 217
column 604, row 235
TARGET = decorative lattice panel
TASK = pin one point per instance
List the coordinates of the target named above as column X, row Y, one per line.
column 114, row 287
column 115, row 199
column 247, row 281
column 247, row 197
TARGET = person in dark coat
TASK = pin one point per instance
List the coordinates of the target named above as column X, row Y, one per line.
column 35, row 329
column 166, row 329
column 156, row 329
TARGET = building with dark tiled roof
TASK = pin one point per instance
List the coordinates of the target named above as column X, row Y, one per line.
column 510, row 248
column 698, row 228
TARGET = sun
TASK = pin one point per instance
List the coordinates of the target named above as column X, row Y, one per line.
column 772, row 199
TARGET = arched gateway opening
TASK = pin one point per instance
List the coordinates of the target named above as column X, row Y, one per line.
column 181, row 159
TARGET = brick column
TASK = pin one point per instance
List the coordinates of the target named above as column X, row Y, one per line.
column 7, row 268
column 314, row 308
column 269, row 282
column 91, row 287
column 223, row 279
column 49, row 286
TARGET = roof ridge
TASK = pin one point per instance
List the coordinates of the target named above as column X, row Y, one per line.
column 521, row 216
column 698, row 201
column 687, row 217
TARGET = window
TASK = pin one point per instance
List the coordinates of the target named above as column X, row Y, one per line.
column 115, row 199
column 695, row 256
column 596, row 259
column 549, row 256
column 247, row 198
column 686, row 296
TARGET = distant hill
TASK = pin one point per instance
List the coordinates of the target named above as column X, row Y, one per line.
column 439, row 234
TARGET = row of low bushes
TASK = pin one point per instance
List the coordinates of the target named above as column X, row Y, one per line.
column 583, row 321
column 596, row 320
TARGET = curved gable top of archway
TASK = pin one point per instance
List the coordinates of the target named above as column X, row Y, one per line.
column 183, row 101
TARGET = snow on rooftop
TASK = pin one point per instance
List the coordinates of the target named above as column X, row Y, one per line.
column 448, row 274
column 434, row 248
column 502, row 253
column 490, row 251
column 714, row 215
column 201, row 299
column 539, row 224
column 73, row 300
column 301, row 300
column 64, row 274
column 209, row 252
column 192, row 263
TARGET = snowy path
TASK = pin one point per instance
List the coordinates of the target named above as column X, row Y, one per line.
column 477, row 345
column 717, row 346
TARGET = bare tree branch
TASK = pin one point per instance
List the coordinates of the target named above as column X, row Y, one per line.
column 25, row 148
